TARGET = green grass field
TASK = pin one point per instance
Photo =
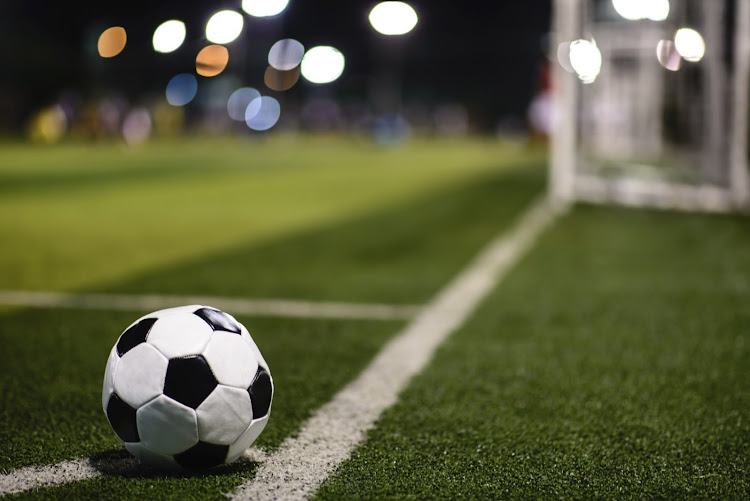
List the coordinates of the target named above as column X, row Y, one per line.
column 613, row 361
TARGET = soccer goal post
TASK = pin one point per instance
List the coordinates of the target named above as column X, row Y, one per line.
column 651, row 103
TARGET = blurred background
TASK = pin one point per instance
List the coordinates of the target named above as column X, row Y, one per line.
column 140, row 69
column 649, row 104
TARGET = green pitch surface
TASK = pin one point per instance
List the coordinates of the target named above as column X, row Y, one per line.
column 78, row 217
column 612, row 362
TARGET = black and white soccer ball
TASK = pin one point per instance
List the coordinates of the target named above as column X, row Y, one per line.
column 187, row 388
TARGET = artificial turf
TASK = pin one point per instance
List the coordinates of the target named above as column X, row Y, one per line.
column 403, row 254
column 402, row 251
column 82, row 217
column 612, row 363
column 51, row 378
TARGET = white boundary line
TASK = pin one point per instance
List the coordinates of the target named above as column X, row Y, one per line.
column 37, row 477
column 302, row 463
column 237, row 306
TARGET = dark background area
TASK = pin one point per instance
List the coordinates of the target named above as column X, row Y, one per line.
column 484, row 55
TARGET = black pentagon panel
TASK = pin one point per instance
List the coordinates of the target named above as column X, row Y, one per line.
column 261, row 392
column 134, row 336
column 202, row 455
column 218, row 320
column 189, row 380
column 122, row 418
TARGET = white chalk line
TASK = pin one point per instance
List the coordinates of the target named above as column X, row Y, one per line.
column 302, row 463
column 37, row 477
column 236, row 306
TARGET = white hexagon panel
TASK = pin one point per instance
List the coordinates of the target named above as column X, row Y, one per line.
column 224, row 415
column 177, row 335
column 140, row 375
column 231, row 358
column 167, row 426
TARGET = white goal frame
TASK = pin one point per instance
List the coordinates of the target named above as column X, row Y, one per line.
column 568, row 181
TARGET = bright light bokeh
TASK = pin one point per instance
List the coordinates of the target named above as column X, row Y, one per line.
column 563, row 56
column 628, row 9
column 262, row 113
column 393, row 18
column 181, row 89
column 169, row 36
column 112, row 41
column 280, row 80
column 238, row 102
column 690, row 44
column 658, row 10
column 211, row 60
column 667, row 54
column 322, row 64
column 633, row 10
column 224, row 26
column 264, row 8
column 286, row 54
column 586, row 60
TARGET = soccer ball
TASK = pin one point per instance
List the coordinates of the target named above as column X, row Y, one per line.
column 187, row 388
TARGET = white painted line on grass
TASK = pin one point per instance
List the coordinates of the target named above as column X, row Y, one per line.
column 302, row 463
column 235, row 306
column 36, row 477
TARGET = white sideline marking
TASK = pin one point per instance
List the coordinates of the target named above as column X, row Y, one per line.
column 36, row 477
column 301, row 464
column 236, row 306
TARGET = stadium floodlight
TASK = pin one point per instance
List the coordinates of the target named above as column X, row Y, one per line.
column 667, row 55
column 629, row 9
column 279, row 80
column 181, row 89
column 690, row 44
column 262, row 113
column 393, row 18
column 286, row 54
column 322, row 64
column 112, row 41
column 238, row 101
column 585, row 59
column 645, row 134
column 211, row 60
column 633, row 10
column 169, row 36
column 264, row 8
column 224, row 27
column 658, row 10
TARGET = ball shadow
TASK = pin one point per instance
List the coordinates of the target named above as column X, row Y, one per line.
column 120, row 463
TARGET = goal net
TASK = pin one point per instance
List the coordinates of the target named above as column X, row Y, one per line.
column 651, row 103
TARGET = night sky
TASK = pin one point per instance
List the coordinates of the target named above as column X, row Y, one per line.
column 485, row 55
